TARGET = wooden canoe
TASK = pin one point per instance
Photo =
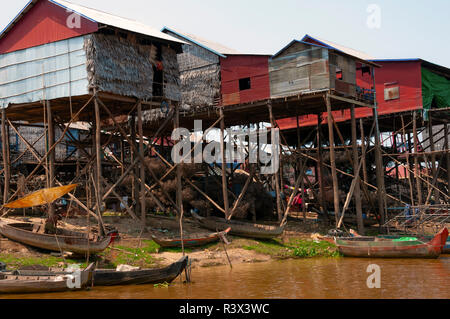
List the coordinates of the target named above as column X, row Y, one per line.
column 18, row 284
column 111, row 277
column 41, row 197
column 445, row 249
column 394, row 249
column 239, row 228
column 69, row 241
column 190, row 242
column 106, row 277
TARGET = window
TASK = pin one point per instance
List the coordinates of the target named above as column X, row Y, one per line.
column 339, row 75
column 391, row 93
column 244, row 84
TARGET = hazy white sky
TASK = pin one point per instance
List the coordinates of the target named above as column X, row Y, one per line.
column 407, row 29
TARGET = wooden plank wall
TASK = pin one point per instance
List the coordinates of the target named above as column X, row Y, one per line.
column 299, row 68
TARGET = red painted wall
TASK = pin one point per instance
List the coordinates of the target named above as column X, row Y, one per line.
column 235, row 67
column 406, row 75
column 46, row 22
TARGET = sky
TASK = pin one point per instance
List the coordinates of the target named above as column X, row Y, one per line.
column 383, row 29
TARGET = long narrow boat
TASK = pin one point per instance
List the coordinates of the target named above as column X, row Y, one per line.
column 32, row 235
column 445, row 248
column 112, row 277
column 18, row 284
column 379, row 248
column 190, row 242
column 106, row 277
column 239, row 228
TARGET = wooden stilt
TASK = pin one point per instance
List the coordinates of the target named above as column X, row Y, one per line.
column 363, row 151
column 319, row 168
column 276, row 175
column 408, row 164
column 51, row 157
column 333, row 160
column 134, row 155
column 98, row 175
column 433, row 155
column 446, row 145
column 141, row 167
column 6, row 166
column 379, row 169
column 179, row 199
column 416, row 161
column 224, row 165
column 357, row 191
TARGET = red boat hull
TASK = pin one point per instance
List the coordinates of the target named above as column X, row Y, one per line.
column 391, row 249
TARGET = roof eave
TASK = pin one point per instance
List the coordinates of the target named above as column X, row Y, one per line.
column 166, row 29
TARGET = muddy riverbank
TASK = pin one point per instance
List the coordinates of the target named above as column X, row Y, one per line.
column 137, row 248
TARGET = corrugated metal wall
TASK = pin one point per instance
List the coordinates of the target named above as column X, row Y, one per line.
column 47, row 71
column 236, row 67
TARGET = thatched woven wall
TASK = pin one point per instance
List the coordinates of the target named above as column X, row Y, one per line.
column 171, row 74
column 119, row 66
column 200, row 77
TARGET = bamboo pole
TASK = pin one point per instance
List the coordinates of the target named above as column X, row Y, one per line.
column 147, row 165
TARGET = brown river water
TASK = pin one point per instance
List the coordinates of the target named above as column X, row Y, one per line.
column 317, row 278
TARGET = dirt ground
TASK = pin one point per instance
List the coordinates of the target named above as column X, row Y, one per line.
column 133, row 237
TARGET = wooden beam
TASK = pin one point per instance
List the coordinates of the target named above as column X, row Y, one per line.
column 350, row 101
